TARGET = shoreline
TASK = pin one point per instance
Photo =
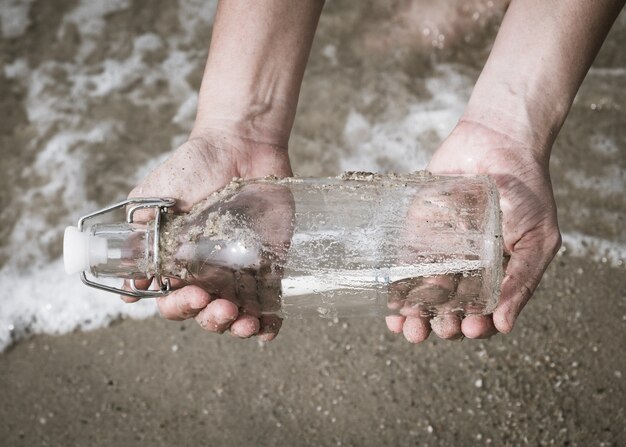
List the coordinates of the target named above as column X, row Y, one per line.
column 94, row 95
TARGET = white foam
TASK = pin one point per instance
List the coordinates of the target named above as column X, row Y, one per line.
column 193, row 14
column 37, row 296
column 14, row 17
column 401, row 142
column 15, row 69
column 604, row 145
column 66, row 185
column 45, row 300
column 89, row 15
column 610, row 182
column 187, row 111
column 608, row 72
column 601, row 250
column 330, row 52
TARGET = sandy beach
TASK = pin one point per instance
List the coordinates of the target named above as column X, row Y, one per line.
column 557, row 380
column 127, row 73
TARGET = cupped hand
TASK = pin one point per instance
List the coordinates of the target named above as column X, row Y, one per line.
column 529, row 220
column 196, row 169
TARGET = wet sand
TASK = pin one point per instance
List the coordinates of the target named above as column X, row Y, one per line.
column 558, row 379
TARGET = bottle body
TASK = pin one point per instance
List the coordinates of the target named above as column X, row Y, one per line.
column 357, row 245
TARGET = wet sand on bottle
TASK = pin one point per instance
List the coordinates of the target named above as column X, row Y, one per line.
column 557, row 379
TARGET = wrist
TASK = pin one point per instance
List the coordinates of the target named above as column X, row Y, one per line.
column 255, row 67
column 261, row 107
column 525, row 115
column 251, row 113
column 250, row 158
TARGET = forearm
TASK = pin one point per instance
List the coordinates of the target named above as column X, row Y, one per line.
column 542, row 52
column 255, row 67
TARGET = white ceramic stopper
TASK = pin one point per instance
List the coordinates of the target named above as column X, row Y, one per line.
column 82, row 250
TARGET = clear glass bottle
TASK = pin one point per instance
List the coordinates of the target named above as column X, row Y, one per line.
column 356, row 245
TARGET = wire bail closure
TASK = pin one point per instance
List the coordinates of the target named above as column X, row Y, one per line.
column 160, row 205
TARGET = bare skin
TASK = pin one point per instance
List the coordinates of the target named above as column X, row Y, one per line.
column 530, row 228
column 541, row 55
column 247, row 106
column 209, row 162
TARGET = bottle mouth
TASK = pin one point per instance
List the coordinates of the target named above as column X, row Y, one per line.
column 81, row 250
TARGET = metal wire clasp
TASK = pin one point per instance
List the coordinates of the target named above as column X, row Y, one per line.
column 160, row 206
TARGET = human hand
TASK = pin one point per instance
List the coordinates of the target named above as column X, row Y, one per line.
column 515, row 112
column 530, row 229
column 246, row 108
column 199, row 167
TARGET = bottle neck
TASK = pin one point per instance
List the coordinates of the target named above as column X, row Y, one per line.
column 124, row 250
column 121, row 250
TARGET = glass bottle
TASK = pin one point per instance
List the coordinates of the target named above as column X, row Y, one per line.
column 360, row 244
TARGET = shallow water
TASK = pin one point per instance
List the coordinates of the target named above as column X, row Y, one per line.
column 95, row 94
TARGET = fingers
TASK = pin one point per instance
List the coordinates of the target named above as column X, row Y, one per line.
column 395, row 323
column 183, row 303
column 247, row 295
column 478, row 326
column 128, row 299
column 218, row 315
column 416, row 329
column 268, row 287
column 245, row 326
column 447, row 326
column 270, row 325
column 214, row 316
column 529, row 259
column 432, row 292
column 144, row 284
column 248, row 323
column 515, row 295
column 140, row 283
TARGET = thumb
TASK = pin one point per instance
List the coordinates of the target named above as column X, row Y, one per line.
column 529, row 259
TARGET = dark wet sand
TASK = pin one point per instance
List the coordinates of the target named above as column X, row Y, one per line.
column 558, row 379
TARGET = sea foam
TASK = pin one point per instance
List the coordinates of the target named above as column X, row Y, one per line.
column 37, row 296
